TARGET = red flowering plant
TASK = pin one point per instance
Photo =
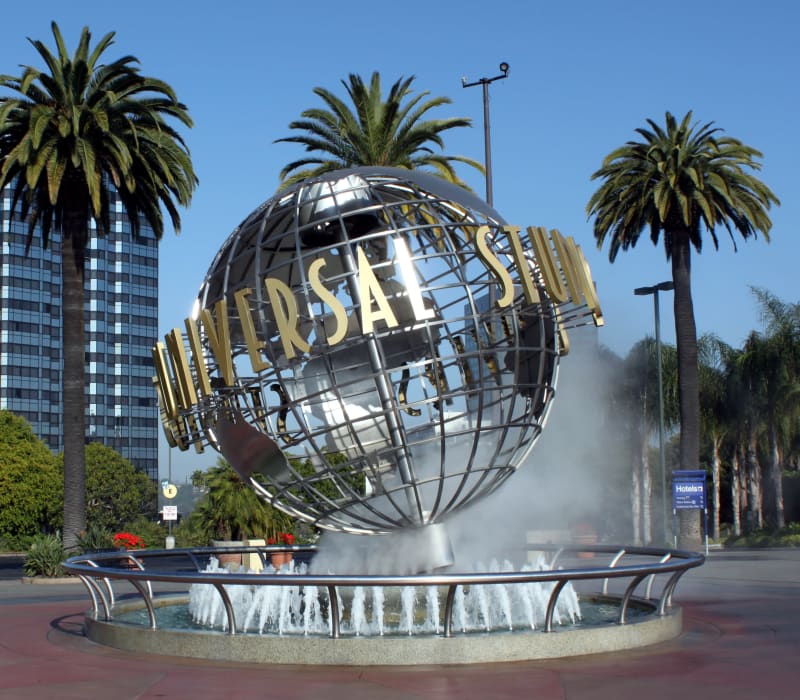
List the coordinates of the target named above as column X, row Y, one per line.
column 286, row 538
column 125, row 540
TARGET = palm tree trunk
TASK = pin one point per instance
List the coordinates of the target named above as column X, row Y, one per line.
column 736, row 490
column 73, row 250
column 715, row 472
column 754, row 518
column 688, row 382
column 773, row 485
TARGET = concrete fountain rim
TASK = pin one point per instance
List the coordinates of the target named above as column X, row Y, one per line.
column 387, row 650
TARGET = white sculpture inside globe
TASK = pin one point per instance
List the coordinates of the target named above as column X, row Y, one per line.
column 379, row 350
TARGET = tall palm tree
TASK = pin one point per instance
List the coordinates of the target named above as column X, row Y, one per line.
column 639, row 385
column 394, row 131
column 715, row 419
column 679, row 180
column 737, row 413
column 771, row 364
column 71, row 134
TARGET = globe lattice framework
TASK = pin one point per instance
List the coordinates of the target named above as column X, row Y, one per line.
column 384, row 416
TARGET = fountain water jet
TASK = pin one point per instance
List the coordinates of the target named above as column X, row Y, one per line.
column 300, row 610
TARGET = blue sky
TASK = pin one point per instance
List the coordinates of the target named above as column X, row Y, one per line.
column 584, row 75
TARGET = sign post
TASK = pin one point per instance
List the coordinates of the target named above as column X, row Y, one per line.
column 689, row 493
column 169, row 513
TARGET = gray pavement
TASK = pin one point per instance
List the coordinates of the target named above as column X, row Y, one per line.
column 741, row 641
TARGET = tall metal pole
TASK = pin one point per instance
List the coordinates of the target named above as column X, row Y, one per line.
column 661, row 460
column 487, row 140
column 487, row 145
column 654, row 290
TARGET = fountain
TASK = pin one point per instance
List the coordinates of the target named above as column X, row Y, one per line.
column 374, row 351
column 368, row 611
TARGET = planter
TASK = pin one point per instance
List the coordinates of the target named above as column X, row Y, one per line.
column 278, row 559
column 228, row 560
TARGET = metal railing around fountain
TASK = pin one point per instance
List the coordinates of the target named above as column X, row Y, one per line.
column 97, row 570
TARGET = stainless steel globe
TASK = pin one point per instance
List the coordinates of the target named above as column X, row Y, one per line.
column 384, row 371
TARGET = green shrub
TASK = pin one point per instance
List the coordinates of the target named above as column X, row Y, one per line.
column 95, row 539
column 31, row 491
column 789, row 536
column 190, row 532
column 44, row 557
column 15, row 542
column 153, row 533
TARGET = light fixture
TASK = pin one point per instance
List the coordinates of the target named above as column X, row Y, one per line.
column 484, row 82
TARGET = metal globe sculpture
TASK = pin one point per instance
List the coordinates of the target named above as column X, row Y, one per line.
column 373, row 350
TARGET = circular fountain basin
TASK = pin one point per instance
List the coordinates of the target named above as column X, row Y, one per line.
column 442, row 634
column 643, row 627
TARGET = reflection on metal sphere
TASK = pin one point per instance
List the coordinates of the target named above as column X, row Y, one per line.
column 378, row 383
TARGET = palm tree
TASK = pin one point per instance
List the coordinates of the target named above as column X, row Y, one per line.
column 231, row 510
column 678, row 181
column 639, row 385
column 737, row 413
column 392, row 132
column 70, row 135
column 771, row 364
column 715, row 419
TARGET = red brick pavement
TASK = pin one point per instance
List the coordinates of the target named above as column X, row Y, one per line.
column 741, row 640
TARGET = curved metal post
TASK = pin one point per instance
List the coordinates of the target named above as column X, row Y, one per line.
column 623, row 604
column 194, row 559
column 138, row 564
column 147, row 597
column 611, row 565
column 448, row 610
column 226, row 601
column 91, row 587
column 106, row 582
column 551, row 604
column 666, row 595
column 652, row 579
column 556, row 555
column 333, row 597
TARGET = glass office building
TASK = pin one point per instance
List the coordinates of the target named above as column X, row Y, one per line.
column 121, row 329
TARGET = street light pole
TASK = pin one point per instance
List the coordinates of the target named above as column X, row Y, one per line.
column 487, row 142
column 654, row 290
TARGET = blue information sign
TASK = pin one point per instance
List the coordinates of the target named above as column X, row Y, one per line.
column 688, row 490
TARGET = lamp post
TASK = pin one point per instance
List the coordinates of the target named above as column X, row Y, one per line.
column 654, row 290
column 487, row 144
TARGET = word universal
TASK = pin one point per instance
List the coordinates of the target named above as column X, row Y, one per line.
column 188, row 371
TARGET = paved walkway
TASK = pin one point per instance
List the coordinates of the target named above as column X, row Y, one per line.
column 741, row 641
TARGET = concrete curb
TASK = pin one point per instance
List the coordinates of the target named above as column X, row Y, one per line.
column 394, row 650
column 49, row 580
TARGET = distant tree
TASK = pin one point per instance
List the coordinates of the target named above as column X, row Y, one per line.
column 391, row 131
column 679, row 180
column 715, row 418
column 69, row 135
column 30, row 483
column 639, row 387
column 771, row 365
column 116, row 491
